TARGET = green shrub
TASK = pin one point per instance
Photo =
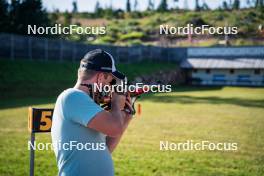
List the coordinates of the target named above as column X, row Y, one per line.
column 132, row 35
column 105, row 40
column 134, row 42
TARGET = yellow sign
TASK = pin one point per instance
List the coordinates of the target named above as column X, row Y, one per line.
column 39, row 120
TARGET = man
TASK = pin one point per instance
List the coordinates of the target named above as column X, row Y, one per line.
column 84, row 134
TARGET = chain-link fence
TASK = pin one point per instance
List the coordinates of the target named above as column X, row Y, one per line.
column 37, row 48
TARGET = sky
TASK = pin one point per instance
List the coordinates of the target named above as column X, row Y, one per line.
column 88, row 5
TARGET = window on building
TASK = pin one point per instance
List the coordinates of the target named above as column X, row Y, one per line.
column 219, row 78
column 208, row 71
column 243, row 79
column 232, row 71
column 257, row 72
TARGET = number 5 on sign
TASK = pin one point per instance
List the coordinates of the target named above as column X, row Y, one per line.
column 39, row 120
column 46, row 119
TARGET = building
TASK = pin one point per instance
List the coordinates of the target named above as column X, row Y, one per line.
column 225, row 71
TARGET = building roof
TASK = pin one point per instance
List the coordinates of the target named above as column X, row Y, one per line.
column 221, row 63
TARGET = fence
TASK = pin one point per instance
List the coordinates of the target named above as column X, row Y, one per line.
column 37, row 48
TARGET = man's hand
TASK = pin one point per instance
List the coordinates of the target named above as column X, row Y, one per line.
column 128, row 106
column 118, row 101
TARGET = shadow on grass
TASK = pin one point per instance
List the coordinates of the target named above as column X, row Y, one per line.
column 185, row 99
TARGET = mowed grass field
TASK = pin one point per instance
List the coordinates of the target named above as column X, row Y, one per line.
column 226, row 114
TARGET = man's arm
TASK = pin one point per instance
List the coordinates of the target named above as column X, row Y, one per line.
column 112, row 142
column 111, row 122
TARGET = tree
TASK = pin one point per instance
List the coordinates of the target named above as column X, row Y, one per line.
column 259, row 3
column 54, row 16
column 107, row 13
column 197, row 6
column 163, row 6
column 150, row 5
column 205, row 6
column 98, row 11
column 97, row 6
column 74, row 7
column 14, row 16
column 27, row 12
column 67, row 18
column 236, row 4
column 4, row 16
column 225, row 5
column 128, row 6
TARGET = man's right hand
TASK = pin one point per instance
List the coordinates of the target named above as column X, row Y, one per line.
column 118, row 101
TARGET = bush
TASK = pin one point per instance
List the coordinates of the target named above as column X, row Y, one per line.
column 134, row 42
column 135, row 14
column 105, row 40
column 132, row 35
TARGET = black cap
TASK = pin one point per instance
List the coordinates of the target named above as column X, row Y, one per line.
column 100, row 60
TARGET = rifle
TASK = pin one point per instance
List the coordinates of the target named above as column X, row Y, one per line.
column 104, row 98
column 134, row 96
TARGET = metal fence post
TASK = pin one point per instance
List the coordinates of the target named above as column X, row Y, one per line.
column 61, row 49
column 11, row 47
column 32, row 154
column 73, row 52
column 29, row 48
column 46, row 50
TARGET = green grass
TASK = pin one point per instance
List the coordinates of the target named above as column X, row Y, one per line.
column 216, row 114
column 24, row 79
